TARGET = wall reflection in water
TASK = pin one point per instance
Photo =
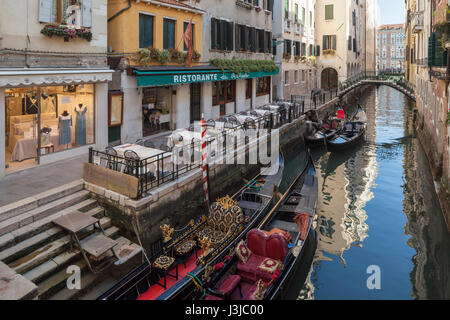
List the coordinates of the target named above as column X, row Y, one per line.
column 377, row 205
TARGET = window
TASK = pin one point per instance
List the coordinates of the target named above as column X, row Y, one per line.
column 310, row 18
column 288, row 47
column 303, row 75
column 222, row 35
column 260, row 46
column 329, row 42
column 262, row 86
column 186, row 24
column 286, row 9
column 297, row 48
column 296, row 76
column 303, row 16
column 303, row 49
column 55, row 11
column 286, row 78
column 329, row 14
column 145, row 31
column 296, row 12
column 169, row 34
column 223, row 92
column 350, row 43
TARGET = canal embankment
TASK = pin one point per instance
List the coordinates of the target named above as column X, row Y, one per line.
column 436, row 161
column 177, row 202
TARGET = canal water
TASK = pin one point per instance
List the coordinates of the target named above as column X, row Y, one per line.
column 380, row 230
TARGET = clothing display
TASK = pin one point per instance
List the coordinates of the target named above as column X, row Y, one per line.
column 80, row 125
column 65, row 131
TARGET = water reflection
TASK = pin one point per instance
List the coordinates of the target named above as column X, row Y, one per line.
column 377, row 205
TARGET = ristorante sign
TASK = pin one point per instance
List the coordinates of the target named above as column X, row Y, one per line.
column 154, row 78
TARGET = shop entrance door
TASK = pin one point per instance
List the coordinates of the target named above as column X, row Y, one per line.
column 195, row 102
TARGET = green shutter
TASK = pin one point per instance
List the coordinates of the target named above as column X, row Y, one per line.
column 169, row 34
column 329, row 14
column 213, row 33
column 145, row 31
column 303, row 16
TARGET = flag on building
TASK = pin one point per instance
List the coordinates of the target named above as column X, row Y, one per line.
column 188, row 41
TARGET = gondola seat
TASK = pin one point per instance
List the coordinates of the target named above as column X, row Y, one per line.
column 224, row 217
column 267, row 254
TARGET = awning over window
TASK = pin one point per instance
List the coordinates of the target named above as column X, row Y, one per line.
column 160, row 77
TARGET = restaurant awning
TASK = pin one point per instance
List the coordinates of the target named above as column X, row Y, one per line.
column 158, row 76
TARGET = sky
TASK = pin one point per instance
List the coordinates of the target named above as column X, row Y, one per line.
column 391, row 12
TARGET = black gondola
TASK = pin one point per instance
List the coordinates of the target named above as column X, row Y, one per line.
column 318, row 137
column 263, row 259
column 143, row 283
column 352, row 134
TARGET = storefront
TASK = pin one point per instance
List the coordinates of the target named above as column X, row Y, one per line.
column 179, row 96
column 50, row 115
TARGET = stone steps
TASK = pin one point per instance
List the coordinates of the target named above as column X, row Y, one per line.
column 27, row 246
column 42, row 225
column 48, row 251
column 41, row 212
column 17, row 208
column 51, row 276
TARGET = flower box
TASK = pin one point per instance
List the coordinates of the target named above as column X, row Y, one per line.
column 66, row 32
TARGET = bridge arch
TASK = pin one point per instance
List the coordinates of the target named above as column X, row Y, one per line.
column 329, row 78
column 347, row 88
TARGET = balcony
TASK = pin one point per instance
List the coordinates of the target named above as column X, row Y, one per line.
column 417, row 22
column 298, row 28
column 287, row 26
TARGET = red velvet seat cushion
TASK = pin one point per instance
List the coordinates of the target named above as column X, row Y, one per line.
column 277, row 247
column 256, row 242
column 248, row 271
column 229, row 284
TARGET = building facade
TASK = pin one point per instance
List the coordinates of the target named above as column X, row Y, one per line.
column 293, row 32
column 339, row 39
column 427, row 69
column 390, row 48
column 53, row 81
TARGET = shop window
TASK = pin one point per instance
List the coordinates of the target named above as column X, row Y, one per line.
column 224, row 92
column 262, row 86
column 169, row 34
column 145, row 30
column 66, row 115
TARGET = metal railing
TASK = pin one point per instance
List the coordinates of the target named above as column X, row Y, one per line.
column 168, row 166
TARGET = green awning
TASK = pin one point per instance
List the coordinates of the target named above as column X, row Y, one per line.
column 151, row 78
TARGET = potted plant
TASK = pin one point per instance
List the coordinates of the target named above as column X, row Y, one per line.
column 163, row 56
column 287, row 56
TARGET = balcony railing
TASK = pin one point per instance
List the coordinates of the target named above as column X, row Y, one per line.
column 417, row 22
column 287, row 26
column 298, row 28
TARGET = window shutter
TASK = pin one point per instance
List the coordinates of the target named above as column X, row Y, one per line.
column 45, row 10
column 333, row 42
column 325, row 43
column 253, row 32
column 270, row 5
column 213, row 33
column 230, row 42
column 329, row 14
column 86, row 13
column 317, row 51
column 221, row 34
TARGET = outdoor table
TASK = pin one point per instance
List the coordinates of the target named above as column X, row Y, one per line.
column 96, row 246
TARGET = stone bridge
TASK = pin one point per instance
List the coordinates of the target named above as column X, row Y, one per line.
column 393, row 80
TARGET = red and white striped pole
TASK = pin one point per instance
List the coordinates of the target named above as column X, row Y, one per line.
column 204, row 162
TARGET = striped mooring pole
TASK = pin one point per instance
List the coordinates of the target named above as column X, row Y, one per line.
column 204, row 163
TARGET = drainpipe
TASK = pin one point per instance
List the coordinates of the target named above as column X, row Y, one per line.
column 122, row 10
